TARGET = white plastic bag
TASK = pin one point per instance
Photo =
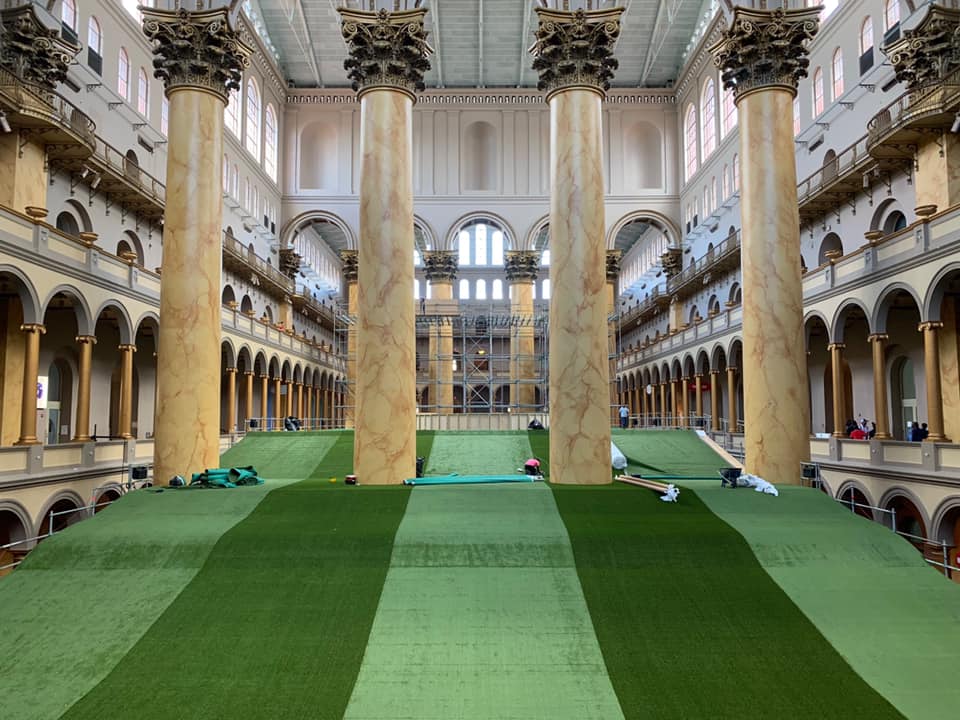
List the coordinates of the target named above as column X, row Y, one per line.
column 617, row 458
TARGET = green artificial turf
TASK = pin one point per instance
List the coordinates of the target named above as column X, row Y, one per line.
column 667, row 452
column 478, row 453
column 275, row 622
column 540, row 447
column 292, row 455
column 689, row 623
column 482, row 616
column 894, row 618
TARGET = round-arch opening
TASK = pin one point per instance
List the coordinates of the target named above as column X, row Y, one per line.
column 854, row 499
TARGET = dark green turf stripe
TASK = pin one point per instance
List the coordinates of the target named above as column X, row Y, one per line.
column 689, row 623
column 275, row 623
column 540, row 446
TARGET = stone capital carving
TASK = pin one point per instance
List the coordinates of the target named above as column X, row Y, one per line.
column 386, row 49
column 289, row 262
column 672, row 261
column 440, row 265
column 929, row 52
column 930, row 326
column 521, row 265
column 197, row 49
column 765, row 49
column 31, row 50
column 613, row 265
column 350, row 263
column 575, row 49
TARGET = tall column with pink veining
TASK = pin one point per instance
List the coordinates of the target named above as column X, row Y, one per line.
column 573, row 54
column 763, row 56
column 202, row 60
column 386, row 74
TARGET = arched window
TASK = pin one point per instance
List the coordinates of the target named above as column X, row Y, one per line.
column 68, row 14
column 480, row 244
column 231, row 113
column 226, row 173
column 817, row 92
column 736, row 173
column 546, row 289
column 891, row 14
column 164, row 115
column 123, row 75
column 481, row 289
column 496, row 289
column 270, row 142
column 713, row 193
column 496, row 248
column 143, row 93
column 796, row 116
column 725, row 183
column 729, row 119
column 837, row 68
column 708, row 116
column 94, row 37
column 464, row 289
column 690, row 141
column 252, row 140
column 545, row 258
column 463, row 247
column 866, row 35
column 235, row 182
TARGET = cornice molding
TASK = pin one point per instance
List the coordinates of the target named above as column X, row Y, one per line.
column 616, row 97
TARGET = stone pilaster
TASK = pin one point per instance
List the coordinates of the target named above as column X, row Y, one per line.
column 762, row 56
column 199, row 57
column 388, row 55
column 573, row 55
column 440, row 269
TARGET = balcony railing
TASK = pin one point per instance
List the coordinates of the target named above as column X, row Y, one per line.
column 122, row 168
column 238, row 258
column 929, row 106
column 725, row 255
column 838, row 179
column 655, row 303
column 303, row 300
column 32, row 106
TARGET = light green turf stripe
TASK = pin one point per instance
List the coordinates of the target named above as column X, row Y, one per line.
column 482, row 615
column 893, row 619
column 478, row 453
column 84, row 597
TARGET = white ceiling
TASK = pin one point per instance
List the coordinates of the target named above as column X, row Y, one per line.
column 480, row 43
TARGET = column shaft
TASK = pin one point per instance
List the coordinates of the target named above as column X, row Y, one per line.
column 28, row 396
column 698, row 379
column 931, row 371
column 264, row 401
column 231, row 420
column 664, row 408
column 247, row 399
column 84, row 365
column 126, row 391
column 523, row 363
column 715, row 400
column 878, row 344
column 836, row 371
column 441, row 359
column 731, row 399
column 277, row 405
column 299, row 412
column 352, row 301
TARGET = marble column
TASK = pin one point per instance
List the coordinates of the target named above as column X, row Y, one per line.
column 200, row 58
column 573, row 54
column 28, row 395
column 685, row 396
column 84, row 365
column 388, row 55
column 836, row 372
column 762, row 56
column 674, row 403
column 349, row 262
column 521, row 268
column 299, row 412
column 715, row 400
column 881, row 411
column 307, row 407
column 664, row 407
column 264, row 401
column 698, row 379
column 291, row 399
column 931, row 372
column 731, row 399
column 440, row 270
column 126, row 391
column 231, row 420
column 613, row 273
column 247, row 398
column 277, row 405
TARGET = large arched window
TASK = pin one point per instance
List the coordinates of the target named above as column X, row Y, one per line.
column 94, row 37
column 891, row 14
column 231, row 113
column 270, row 142
column 837, row 70
column 796, row 116
column 690, row 141
column 725, row 183
column 729, row 117
column 68, row 14
column 123, row 75
column 817, row 92
column 480, row 243
column 736, row 173
column 708, row 117
column 464, row 289
column 143, row 93
column 866, row 35
column 252, row 137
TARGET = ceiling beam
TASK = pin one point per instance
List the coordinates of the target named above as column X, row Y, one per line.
column 480, row 43
column 523, row 44
column 435, row 11
column 659, row 36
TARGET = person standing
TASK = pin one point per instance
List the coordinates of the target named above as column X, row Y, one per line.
column 624, row 416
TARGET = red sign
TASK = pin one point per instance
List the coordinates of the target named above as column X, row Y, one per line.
column 703, row 386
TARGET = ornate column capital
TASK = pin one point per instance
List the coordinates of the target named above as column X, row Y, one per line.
column 33, row 328
column 230, row 370
column 31, row 50
column 575, row 49
column 521, row 265
column 672, row 261
column 127, row 347
column 835, row 347
column 196, row 49
column 248, row 373
column 765, row 49
column 349, row 259
column 930, row 51
column 440, row 265
column 613, row 265
column 930, row 325
column 877, row 337
column 387, row 50
column 289, row 264
column 86, row 339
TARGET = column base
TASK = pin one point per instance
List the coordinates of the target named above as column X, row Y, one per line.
column 127, row 436
column 27, row 441
column 81, row 439
column 936, row 438
column 882, row 436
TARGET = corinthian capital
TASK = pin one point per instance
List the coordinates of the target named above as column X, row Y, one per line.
column 440, row 265
column 930, row 51
column 196, row 49
column 765, row 49
column 575, row 49
column 613, row 265
column 31, row 50
column 521, row 265
column 349, row 261
column 387, row 49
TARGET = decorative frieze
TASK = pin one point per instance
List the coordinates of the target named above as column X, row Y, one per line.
column 765, row 49
column 613, row 265
column 348, row 258
column 575, row 49
column 196, row 49
column 521, row 265
column 440, row 265
column 929, row 52
column 31, row 50
column 617, row 96
column 386, row 49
